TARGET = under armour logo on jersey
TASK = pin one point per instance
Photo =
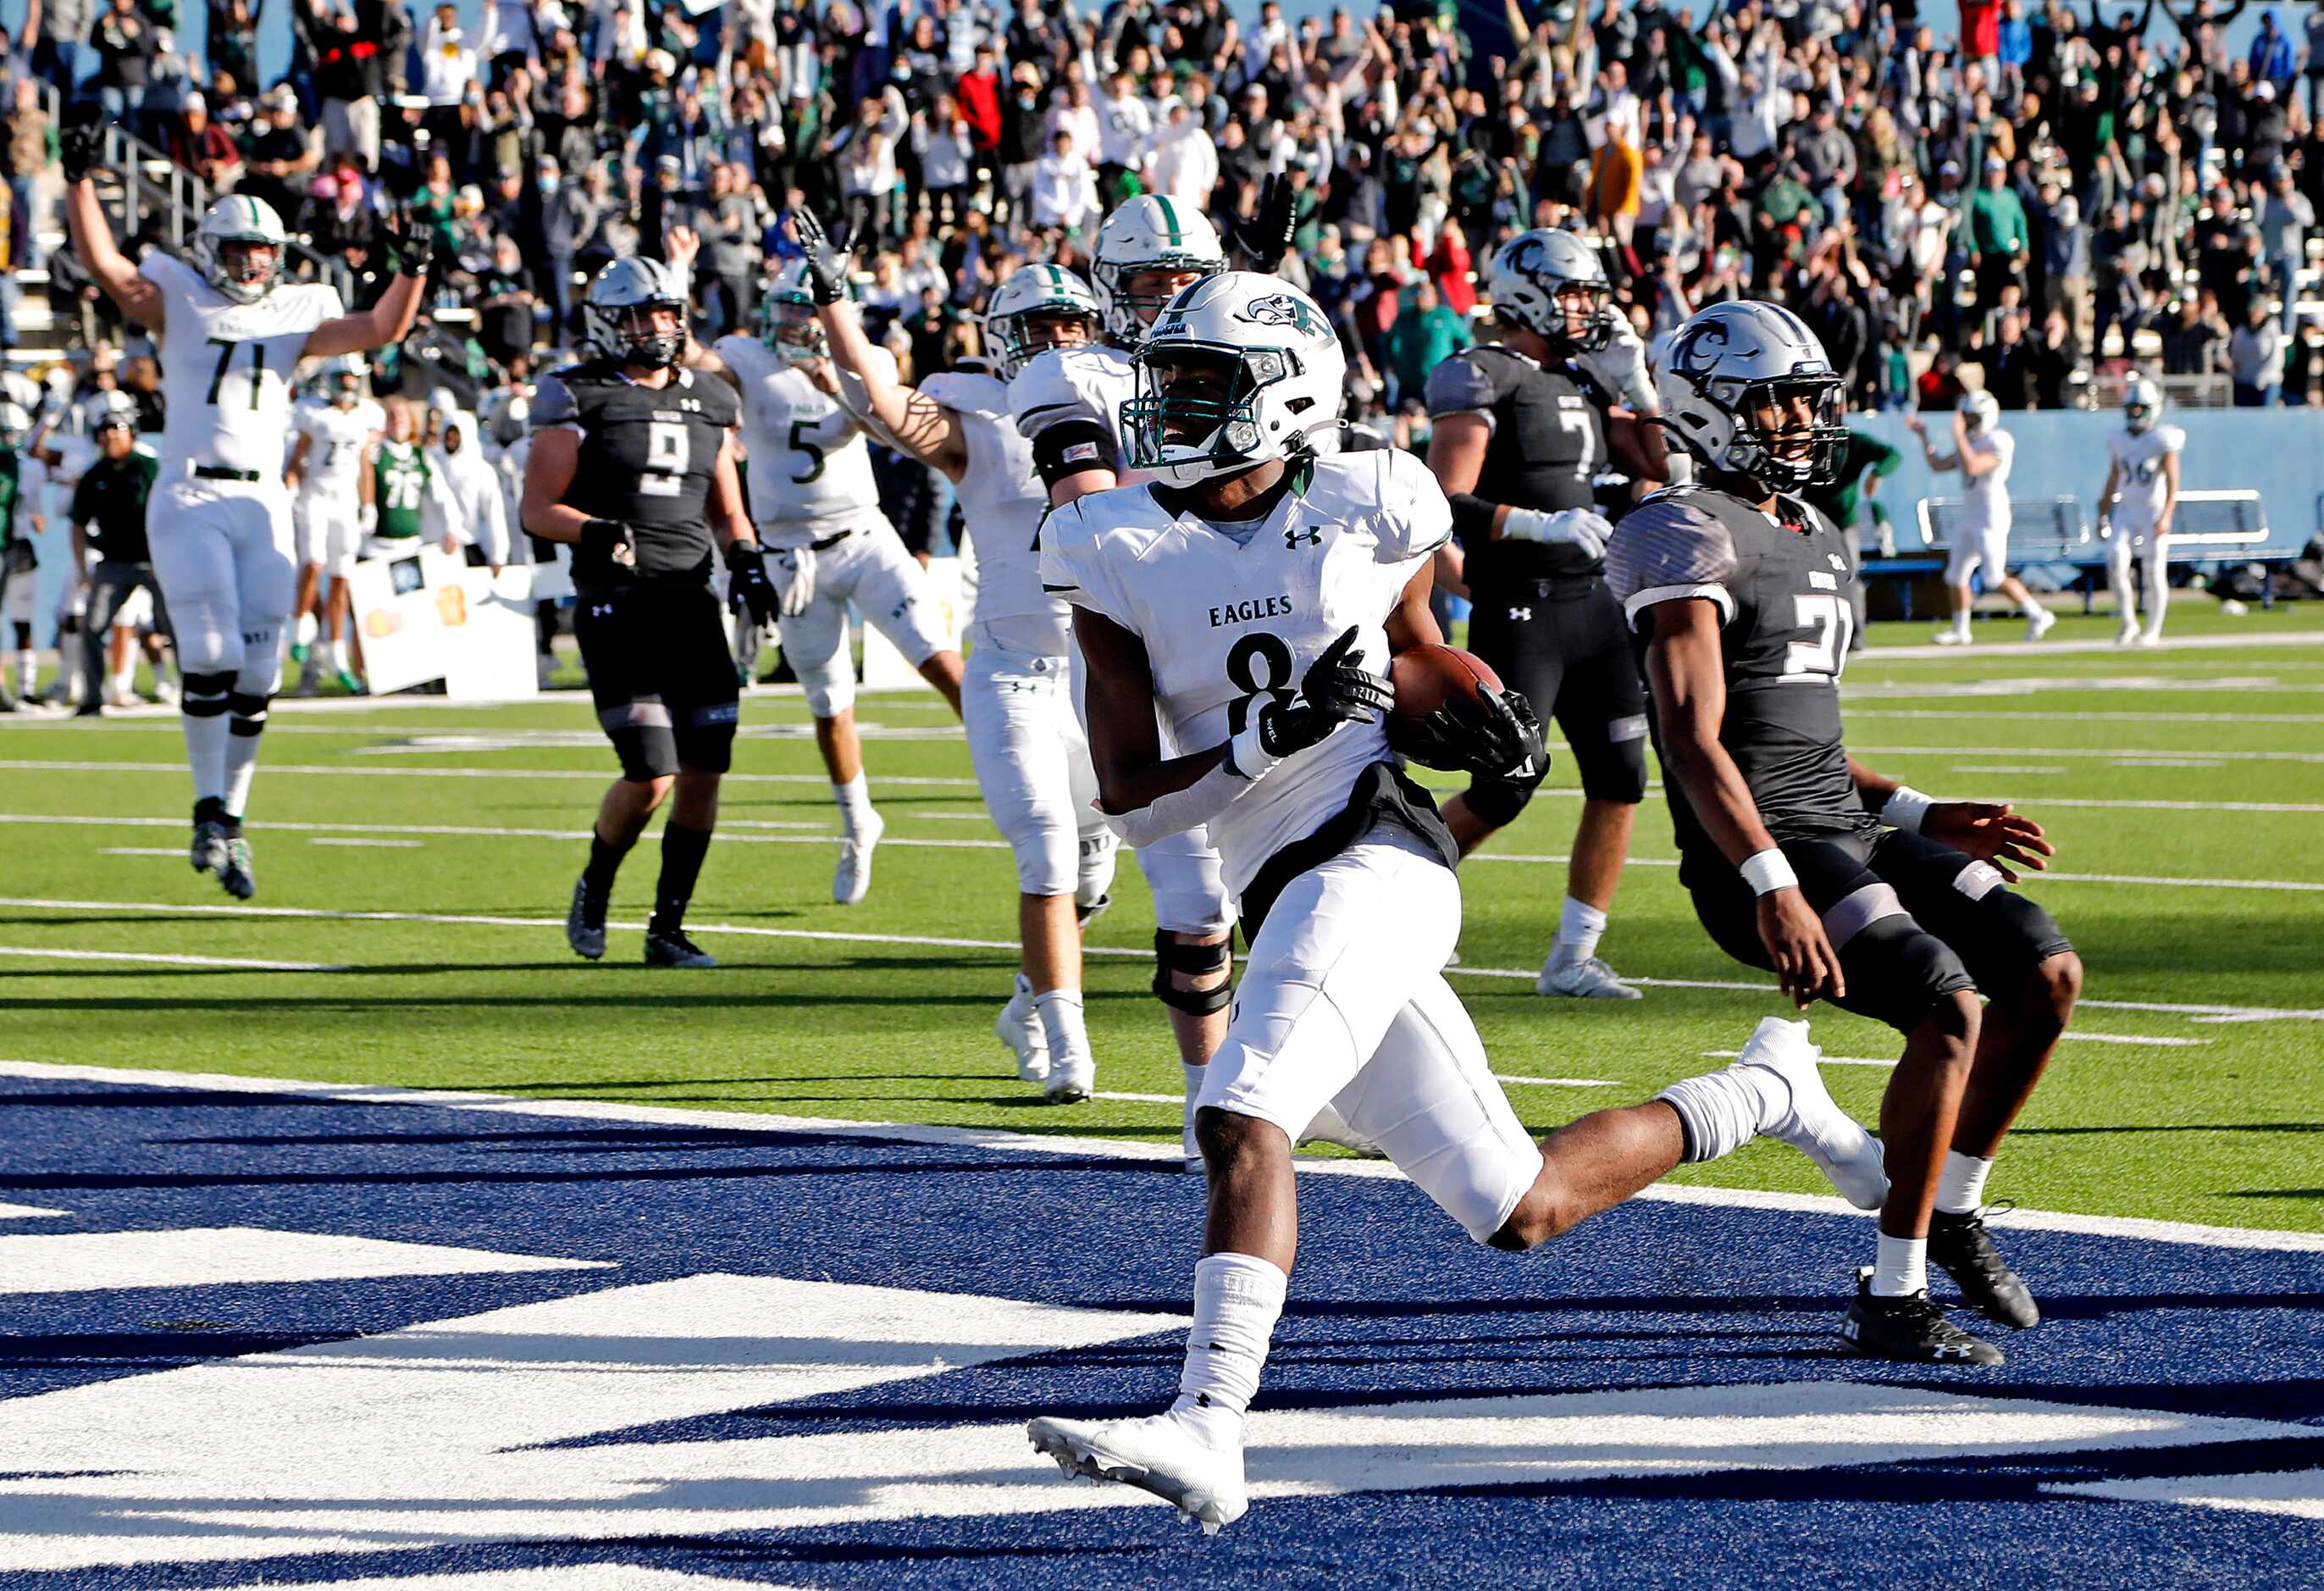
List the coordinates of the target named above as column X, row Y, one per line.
column 1518, row 616
column 1837, row 562
column 603, row 610
column 1292, row 535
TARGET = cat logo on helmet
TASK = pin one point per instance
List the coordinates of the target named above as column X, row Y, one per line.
column 239, row 246
column 1029, row 313
column 1221, row 389
column 618, row 314
column 1729, row 364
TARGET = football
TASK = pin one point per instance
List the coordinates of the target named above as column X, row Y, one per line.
column 1427, row 678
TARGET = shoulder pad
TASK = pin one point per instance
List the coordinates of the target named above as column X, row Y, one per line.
column 966, row 391
column 1462, row 385
column 2174, row 438
column 1667, row 547
column 554, row 399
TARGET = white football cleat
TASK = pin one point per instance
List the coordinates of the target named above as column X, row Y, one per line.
column 1019, row 1027
column 1155, row 1455
column 1071, row 1078
column 1586, row 979
column 2126, row 636
column 852, row 880
column 2039, row 623
column 1814, row 1124
column 2150, row 637
column 1950, row 637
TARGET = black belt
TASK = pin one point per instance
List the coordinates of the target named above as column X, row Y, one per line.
column 828, row 542
column 219, row 472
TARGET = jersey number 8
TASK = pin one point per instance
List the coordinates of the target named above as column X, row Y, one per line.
column 667, row 453
column 1258, row 647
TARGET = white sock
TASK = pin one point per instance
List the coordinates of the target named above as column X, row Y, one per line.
column 1063, row 1025
column 28, row 675
column 1902, row 1268
column 309, row 627
column 2158, row 595
column 1194, row 1074
column 127, row 677
column 1580, row 926
column 1725, row 1110
column 1238, row 1298
column 206, row 738
column 1960, row 1189
column 336, row 652
column 2033, row 609
column 854, row 798
column 1960, row 620
column 241, row 760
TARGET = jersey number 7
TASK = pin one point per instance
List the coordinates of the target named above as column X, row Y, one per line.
column 226, row 358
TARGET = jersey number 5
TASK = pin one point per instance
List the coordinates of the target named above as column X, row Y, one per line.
column 814, row 454
column 226, row 358
column 1242, row 670
column 1833, row 623
column 667, row 454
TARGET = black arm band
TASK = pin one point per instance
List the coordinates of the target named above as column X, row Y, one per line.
column 1071, row 446
column 1472, row 518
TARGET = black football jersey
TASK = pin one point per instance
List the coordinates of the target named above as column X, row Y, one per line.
column 1782, row 590
column 1548, row 445
column 647, row 454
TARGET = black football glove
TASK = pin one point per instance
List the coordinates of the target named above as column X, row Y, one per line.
column 411, row 244
column 1336, row 689
column 80, row 142
column 746, row 579
column 1266, row 237
column 609, row 541
column 827, row 265
column 1505, row 745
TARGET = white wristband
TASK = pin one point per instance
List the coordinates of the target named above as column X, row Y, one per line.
column 1247, row 756
column 1905, row 809
column 1767, row 871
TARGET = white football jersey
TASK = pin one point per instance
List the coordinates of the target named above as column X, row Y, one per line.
column 226, row 369
column 1078, row 384
column 336, row 441
column 1225, row 624
column 2138, row 460
column 1001, row 502
column 809, row 467
column 1987, row 505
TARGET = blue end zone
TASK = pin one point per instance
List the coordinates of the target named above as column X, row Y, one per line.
column 1391, row 1304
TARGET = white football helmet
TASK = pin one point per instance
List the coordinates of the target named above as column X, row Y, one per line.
column 613, row 315
column 1531, row 276
column 1729, row 360
column 787, row 322
column 1013, row 334
column 1982, row 409
column 109, row 409
column 344, row 379
column 1238, row 369
column 15, row 425
column 2141, row 404
column 239, row 247
column 1152, row 232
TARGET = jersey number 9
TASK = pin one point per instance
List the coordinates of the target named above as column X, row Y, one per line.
column 667, row 453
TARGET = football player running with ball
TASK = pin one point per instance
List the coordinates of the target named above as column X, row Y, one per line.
column 2134, row 507
column 1520, row 429
column 1024, row 739
column 230, row 332
column 1236, row 617
column 633, row 462
column 1846, row 885
column 813, row 494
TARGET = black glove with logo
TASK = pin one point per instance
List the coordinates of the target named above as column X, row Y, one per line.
column 746, row 579
column 411, row 244
column 609, row 541
column 827, row 265
column 80, row 142
column 1266, row 237
column 1336, row 689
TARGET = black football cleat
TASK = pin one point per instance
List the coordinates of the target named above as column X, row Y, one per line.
column 236, row 874
column 584, row 931
column 1964, row 1248
column 669, row 947
column 1911, row 1330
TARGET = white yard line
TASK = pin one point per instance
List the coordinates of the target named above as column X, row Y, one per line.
column 49, row 953
column 2200, row 1013
column 2112, row 752
column 383, row 844
column 2170, row 644
column 2005, row 715
column 2129, row 1226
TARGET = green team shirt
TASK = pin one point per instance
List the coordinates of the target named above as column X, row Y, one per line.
column 11, row 489
column 399, row 486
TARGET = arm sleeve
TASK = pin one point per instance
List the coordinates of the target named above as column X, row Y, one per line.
column 1180, row 810
column 1666, row 551
column 1071, row 444
column 1884, row 459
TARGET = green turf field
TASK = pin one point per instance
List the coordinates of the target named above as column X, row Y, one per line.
column 2184, row 787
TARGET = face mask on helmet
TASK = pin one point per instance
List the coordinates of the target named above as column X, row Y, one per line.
column 346, row 389
column 792, row 331
column 1020, row 339
column 1807, row 445
column 244, row 268
column 651, row 335
column 1196, row 412
column 2138, row 414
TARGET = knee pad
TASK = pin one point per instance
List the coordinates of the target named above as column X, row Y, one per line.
column 1093, row 872
column 205, row 695
column 2021, row 937
column 830, row 685
column 1497, row 803
column 1897, row 970
column 1171, row 957
column 641, row 738
column 706, row 742
column 1617, row 770
column 249, row 711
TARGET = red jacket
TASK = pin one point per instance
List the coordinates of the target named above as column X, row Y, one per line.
column 1449, row 263
column 980, row 107
column 1980, row 28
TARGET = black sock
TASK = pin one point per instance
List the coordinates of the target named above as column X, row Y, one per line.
column 210, row 810
column 682, row 850
column 597, row 878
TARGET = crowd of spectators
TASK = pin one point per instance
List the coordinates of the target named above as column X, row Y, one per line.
column 2042, row 196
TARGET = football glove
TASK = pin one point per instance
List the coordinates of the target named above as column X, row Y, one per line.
column 411, row 244
column 746, row 579
column 792, row 571
column 80, row 142
column 827, row 265
column 1578, row 533
column 1621, row 366
column 1266, row 237
column 1503, row 745
column 1336, row 689
column 609, row 540
column 367, row 518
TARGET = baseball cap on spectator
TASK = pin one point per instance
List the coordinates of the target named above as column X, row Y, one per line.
column 661, row 62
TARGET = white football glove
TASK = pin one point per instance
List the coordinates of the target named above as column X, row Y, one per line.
column 792, row 570
column 367, row 518
column 1621, row 366
column 1576, row 529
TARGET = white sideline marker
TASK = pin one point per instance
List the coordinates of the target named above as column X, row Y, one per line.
column 218, row 1257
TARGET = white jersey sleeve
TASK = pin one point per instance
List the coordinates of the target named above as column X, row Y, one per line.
column 1085, row 386
column 1001, row 505
column 226, row 369
column 1073, row 562
column 1417, row 518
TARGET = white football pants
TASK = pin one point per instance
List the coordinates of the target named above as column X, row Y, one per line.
column 2136, row 540
column 1033, row 766
column 222, row 555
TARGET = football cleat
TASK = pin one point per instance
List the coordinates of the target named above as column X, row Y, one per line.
column 1155, row 1455
column 2149, row 638
column 234, row 872
column 2039, row 623
column 209, row 854
column 1911, row 1330
column 1071, row 1080
column 1586, row 979
column 669, row 947
column 584, row 931
column 1951, row 637
column 1019, row 1027
column 1813, row 1124
column 349, row 683
column 2126, row 636
column 300, row 650
column 1961, row 1245
column 853, row 880
column 165, row 693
